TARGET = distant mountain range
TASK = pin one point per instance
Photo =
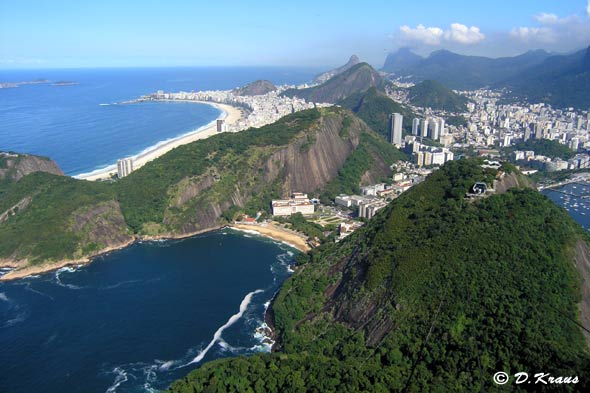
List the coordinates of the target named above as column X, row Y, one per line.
column 538, row 76
column 562, row 81
column 459, row 71
column 357, row 79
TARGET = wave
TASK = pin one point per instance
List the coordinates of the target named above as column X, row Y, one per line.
column 233, row 319
column 58, row 273
column 121, row 377
column 4, row 297
column 20, row 317
column 119, row 284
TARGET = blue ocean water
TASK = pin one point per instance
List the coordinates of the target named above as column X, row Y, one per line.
column 131, row 320
column 69, row 124
column 575, row 198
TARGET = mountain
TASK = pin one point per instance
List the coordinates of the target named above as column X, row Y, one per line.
column 192, row 188
column 323, row 77
column 14, row 167
column 401, row 60
column 356, row 79
column 374, row 107
column 463, row 72
column 431, row 94
column 562, row 81
column 436, row 293
column 256, row 88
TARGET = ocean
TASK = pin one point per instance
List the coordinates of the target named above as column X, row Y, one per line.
column 79, row 128
column 135, row 319
column 139, row 318
column 575, row 198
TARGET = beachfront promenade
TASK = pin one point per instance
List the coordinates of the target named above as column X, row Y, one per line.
column 238, row 113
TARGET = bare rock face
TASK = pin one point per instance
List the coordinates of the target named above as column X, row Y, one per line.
column 101, row 227
column 307, row 164
column 510, row 180
column 16, row 166
column 314, row 160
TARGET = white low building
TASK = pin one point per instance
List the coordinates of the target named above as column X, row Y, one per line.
column 299, row 203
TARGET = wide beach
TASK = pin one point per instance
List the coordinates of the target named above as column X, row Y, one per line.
column 230, row 114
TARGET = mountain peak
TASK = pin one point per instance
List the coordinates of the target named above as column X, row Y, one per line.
column 401, row 59
column 354, row 59
column 323, row 77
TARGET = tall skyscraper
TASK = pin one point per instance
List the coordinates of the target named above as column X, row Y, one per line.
column 442, row 127
column 415, row 126
column 124, row 167
column 435, row 134
column 395, row 129
column 424, row 128
column 527, row 133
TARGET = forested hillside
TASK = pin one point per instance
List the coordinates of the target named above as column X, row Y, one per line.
column 437, row 293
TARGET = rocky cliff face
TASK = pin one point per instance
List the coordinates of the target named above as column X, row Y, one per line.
column 50, row 218
column 100, row 227
column 15, row 166
column 306, row 164
column 314, row 160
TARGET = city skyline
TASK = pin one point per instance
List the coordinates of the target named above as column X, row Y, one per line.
column 42, row 34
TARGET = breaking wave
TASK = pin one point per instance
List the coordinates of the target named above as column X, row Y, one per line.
column 233, row 319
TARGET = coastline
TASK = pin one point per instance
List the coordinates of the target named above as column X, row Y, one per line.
column 276, row 233
column 230, row 114
column 269, row 231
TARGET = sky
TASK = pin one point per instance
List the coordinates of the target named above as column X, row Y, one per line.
column 115, row 33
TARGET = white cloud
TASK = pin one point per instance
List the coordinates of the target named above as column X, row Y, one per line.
column 462, row 34
column 427, row 35
column 588, row 8
column 553, row 29
column 533, row 34
column 433, row 36
column 546, row 19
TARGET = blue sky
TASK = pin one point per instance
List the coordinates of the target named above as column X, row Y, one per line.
column 65, row 33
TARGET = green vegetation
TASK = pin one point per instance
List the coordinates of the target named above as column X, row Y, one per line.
column 371, row 153
column 456, row 121
column 544, row 147
column 432, row 94
column 300, row 224
column 54, row 200
column 434, row 294
column 196, row 186
column 144, row 194
column 375, row 107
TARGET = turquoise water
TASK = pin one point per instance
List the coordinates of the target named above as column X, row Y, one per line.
column 134, row 320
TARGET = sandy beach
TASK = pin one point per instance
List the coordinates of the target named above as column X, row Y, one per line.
column 22, row 269
column 230, row 114
column 276, row 233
